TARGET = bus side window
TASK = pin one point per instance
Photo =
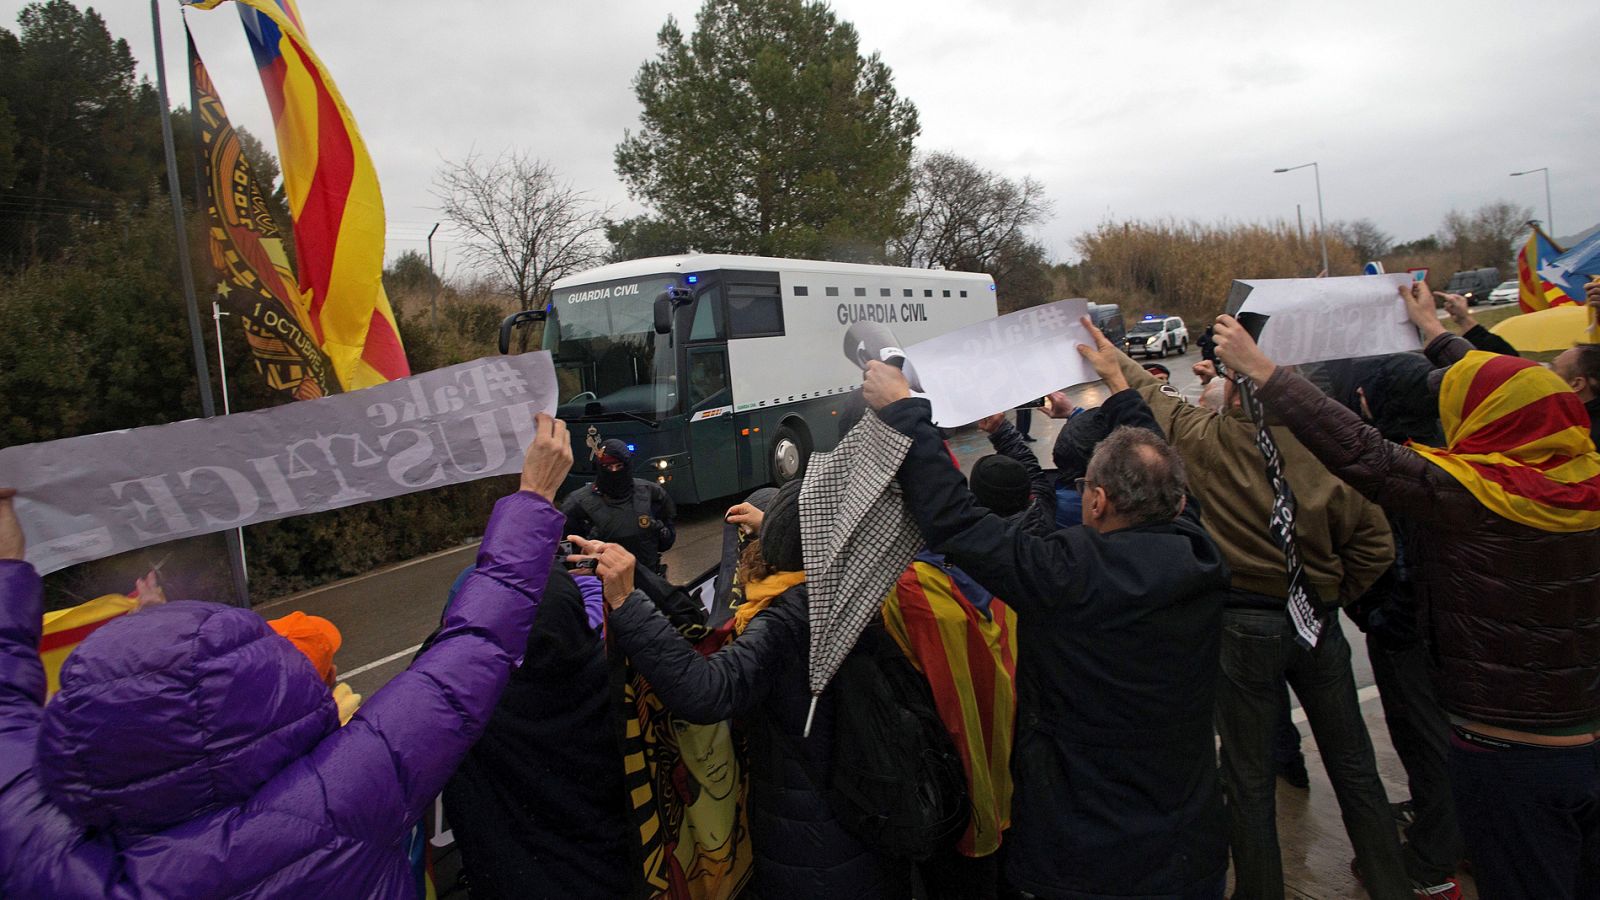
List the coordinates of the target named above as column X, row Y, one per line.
column 708, row 379
column 707, row 318
column 754, row 310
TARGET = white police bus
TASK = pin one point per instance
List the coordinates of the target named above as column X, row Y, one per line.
column 724, row 373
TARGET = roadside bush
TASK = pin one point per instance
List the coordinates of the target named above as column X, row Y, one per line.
column 1187, row 268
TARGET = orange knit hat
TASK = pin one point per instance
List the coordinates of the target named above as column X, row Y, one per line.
column 314, row 636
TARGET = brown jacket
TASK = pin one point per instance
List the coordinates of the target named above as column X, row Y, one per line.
column 1511, row 614
column 1344, row 541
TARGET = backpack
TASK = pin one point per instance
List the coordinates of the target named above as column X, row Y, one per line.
column 898, row 783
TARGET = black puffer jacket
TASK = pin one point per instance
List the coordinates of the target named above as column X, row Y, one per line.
column 539, row 806
column 1511, row 613
column 760, row 676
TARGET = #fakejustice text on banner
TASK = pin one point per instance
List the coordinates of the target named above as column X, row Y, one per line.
column 90, row 497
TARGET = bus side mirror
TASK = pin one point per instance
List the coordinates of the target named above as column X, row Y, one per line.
column 663, row 313
column 509, row 324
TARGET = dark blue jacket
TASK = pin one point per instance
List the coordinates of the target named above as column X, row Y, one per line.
column 1119, row 642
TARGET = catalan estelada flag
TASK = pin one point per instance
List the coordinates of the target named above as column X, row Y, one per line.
column 1517, row 437
column 257, row 284
column 333, row 197
column 65, row 629
column 968, row 654
column 1533, row 291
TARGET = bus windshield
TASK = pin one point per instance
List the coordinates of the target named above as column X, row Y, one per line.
column 608, row 358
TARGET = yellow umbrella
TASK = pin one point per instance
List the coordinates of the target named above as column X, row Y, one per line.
column 1556, row 328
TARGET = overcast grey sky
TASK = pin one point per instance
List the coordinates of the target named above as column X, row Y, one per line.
column 1132, row 109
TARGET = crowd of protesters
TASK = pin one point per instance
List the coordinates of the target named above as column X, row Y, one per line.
column 1078, row 680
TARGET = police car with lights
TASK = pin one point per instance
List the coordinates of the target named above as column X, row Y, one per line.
column 1157, row 335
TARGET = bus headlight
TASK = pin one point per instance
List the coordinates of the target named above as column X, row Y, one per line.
column 662, row 464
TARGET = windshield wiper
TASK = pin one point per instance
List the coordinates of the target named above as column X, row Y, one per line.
column 624, row 413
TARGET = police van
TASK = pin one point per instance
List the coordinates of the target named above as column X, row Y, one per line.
column 724, row 373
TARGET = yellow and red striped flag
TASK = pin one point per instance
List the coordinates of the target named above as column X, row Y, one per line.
column 334, row 199
column 969, row 659
column 1517, row 437
column 65, row 629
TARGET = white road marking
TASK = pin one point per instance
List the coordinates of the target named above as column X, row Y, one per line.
column 345, row 676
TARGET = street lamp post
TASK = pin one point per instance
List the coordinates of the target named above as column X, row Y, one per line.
column 1322, row 224
column 433, row 304
column 1549, row 216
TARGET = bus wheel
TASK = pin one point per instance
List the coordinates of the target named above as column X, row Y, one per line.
column 788, row 456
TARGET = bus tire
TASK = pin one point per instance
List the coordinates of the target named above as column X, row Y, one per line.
column 790, row 453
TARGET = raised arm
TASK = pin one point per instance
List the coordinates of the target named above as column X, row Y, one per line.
column 1007, row 441
column 21, row 622
column 416, row 729
column 998, row 555
column 21, row 674
column 1475, row 334
column 701, row 689
column 1386, row 473
column 730, row 682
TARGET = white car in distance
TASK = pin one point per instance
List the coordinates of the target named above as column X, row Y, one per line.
column 1505, row 293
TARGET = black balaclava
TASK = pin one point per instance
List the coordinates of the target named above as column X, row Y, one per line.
column 1398, row 396
column 618, row 484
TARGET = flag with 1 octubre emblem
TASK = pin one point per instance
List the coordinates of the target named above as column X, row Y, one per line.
column 334, row 198
column 256, row 282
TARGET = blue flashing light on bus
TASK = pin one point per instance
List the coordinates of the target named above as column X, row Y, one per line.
column 632, row 448
column 991, row 286
column 693, row 279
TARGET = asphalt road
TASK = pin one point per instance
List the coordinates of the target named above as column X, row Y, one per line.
column 386, row 614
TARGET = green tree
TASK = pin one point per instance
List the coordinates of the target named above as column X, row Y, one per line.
column 100, row 341
column 8, row 147
column 410, row 274
column 644, row 236
column 87, row 137
column 767, row 132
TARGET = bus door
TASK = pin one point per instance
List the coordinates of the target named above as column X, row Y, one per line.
column 710, row 423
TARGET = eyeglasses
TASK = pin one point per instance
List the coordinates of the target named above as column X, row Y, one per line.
column 1081, row 485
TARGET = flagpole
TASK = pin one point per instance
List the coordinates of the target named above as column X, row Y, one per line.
column 222, row 375
column 185, row 274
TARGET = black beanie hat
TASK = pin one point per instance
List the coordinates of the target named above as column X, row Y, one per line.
column 1076, row 441
column 780, row 530
column 1001, row 484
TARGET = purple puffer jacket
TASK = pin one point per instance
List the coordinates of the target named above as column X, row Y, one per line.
column 192, row 752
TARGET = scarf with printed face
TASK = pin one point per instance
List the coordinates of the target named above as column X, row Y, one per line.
column 1517, row 437
column 1303, row 612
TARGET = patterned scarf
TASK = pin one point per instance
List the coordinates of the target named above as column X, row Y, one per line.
column 1517, row 437
column 1303, row 612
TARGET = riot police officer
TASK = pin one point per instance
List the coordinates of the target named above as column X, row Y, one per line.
column 621, row 509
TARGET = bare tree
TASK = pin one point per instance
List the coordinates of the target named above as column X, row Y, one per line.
column 962, row 216
column 525, row 227
column 1364, row 237
column 1484, row 237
